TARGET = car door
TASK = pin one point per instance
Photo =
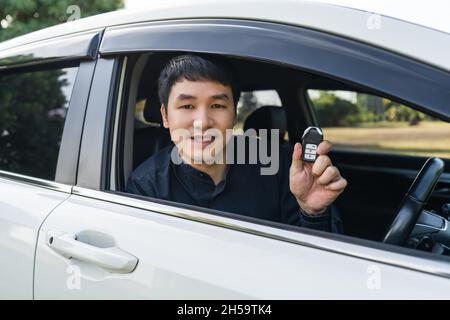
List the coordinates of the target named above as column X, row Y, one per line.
column 101, row 243
column 38, row 122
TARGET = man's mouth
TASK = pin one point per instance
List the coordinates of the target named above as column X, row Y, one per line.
column 203, row 141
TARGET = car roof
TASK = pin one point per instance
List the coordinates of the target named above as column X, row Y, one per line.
column 416, row 41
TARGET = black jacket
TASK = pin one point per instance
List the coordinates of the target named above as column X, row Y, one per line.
column 244, row 190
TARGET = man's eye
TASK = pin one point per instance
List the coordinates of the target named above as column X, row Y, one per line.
column 187, row 106
column 217, row 106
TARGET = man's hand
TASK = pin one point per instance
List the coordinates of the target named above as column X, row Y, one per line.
column 315, row 185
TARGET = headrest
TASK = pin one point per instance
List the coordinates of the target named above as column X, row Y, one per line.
column 267, row 117
column 152, row 108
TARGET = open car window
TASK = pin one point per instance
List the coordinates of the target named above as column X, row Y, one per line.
column 262, row 105
column 358, row 121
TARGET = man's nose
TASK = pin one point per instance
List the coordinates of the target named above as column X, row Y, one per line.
column 203, row 120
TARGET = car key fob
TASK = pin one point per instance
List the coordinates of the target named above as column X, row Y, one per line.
column 311, row 139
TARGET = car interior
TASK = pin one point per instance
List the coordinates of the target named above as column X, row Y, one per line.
column 377, row 182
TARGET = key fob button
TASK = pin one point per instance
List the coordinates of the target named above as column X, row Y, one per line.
column 311, row 139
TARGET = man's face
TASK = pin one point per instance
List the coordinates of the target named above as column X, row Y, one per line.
column 198, row 115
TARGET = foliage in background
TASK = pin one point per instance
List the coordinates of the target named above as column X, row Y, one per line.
column 19, row 17
column 398, row 112
column 333, row 111
column 31, row 122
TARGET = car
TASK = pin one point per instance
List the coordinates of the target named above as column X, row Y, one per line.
column 79, row 111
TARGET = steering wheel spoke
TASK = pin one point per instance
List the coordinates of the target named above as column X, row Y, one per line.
column 414, row 202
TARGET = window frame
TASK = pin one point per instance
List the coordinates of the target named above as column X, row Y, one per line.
column 345, row 60
column 81, row 46
column 80, row 51
column 66, row 161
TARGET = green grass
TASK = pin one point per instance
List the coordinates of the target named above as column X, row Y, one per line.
column 426, row 139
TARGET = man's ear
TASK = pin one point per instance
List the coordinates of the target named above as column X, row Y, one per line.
column 164, row 117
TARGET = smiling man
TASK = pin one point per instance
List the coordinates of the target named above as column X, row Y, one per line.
column 198, row 95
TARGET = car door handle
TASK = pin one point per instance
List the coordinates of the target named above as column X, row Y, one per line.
column 112, row 258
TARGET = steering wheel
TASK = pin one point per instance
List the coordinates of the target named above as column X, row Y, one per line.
column 414, row 201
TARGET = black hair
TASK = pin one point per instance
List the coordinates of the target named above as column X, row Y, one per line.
column 197, row 68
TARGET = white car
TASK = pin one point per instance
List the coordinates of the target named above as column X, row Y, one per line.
column 77, row 115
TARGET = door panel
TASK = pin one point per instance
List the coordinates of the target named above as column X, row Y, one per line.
column 23, row 208
column 184, row 259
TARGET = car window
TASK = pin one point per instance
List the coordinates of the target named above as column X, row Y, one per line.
column 360, row 121
column 33, row 108
column 148, row 141
column 249, row 101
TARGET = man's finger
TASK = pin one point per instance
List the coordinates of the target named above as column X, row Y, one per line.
column 338, row 185
column 324, row 147
column 322, row 162
column 330, row 174
column 297, row 157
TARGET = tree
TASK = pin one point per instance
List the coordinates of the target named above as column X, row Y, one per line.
column 31, row 126
column 333, row 111
column 19, row 17
column 398, row 112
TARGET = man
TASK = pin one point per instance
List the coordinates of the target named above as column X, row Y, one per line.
column 198, row 98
